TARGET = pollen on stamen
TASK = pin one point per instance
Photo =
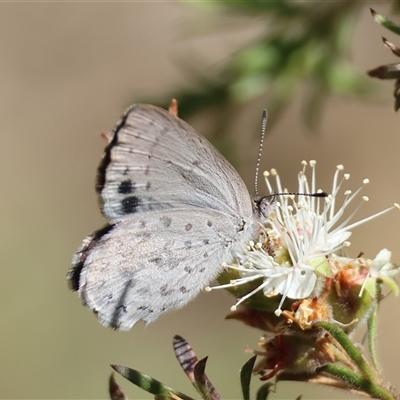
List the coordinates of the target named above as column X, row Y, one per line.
column 313, row 163
column 365, row 198
column 274, row 171
column 346, row 176
column 395, row 205
column 207, row 289
column 340, row 167
column 366, row 181
column 347, row 192
column 233, row 308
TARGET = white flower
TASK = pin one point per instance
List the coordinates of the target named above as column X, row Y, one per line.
column 302, row 232
column 381, row 268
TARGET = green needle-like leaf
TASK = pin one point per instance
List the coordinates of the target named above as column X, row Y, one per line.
column 264, row 391
column 194, row 369
column 186, row 357
column 204, row 386
column 385, row 22
column 245, row 377
column 389, row 71
column 396, row 94
column 391, row 47
column 114, row 389
column 148, row 383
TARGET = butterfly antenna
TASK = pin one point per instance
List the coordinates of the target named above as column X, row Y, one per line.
column 263, row 127
column 316, row 194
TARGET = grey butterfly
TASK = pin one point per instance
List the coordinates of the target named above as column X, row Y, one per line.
column 176, row 208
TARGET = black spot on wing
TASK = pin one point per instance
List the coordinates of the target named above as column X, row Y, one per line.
column 74, row 274
column 166, row 291
column 126, row 187
column 156, row 260
column 123, row 308
column 129, row 205
column 101, row 170
column 166, row 221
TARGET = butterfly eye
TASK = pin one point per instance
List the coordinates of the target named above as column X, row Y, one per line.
column 265, row 205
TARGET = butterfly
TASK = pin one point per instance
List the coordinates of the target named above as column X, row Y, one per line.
column 177, row 209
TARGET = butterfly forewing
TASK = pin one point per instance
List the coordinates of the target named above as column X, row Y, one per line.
column 156, row 161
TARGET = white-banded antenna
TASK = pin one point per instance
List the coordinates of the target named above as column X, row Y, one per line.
column 263, row 127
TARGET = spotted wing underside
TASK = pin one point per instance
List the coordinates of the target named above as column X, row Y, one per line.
column 143, row 266
column 176, row 209
column 156, row 161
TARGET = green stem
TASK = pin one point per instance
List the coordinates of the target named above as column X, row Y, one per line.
column 349, row 347
column 356, row 381
column 372, row 328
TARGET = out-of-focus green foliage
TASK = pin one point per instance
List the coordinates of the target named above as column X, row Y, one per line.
column 305, row 47
column 389, row 71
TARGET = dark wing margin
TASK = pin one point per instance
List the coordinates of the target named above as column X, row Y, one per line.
column 78, row 261
column 101, row 170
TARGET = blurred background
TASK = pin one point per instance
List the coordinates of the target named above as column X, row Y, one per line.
column 69, row 70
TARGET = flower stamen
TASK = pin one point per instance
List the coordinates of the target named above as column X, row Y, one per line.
column 302, row 235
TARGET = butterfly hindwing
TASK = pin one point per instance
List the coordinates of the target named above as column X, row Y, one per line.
column 144, row 266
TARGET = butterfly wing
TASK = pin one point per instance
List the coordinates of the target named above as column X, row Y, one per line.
column 141, row 267
column 156, row 161
column 177, row 208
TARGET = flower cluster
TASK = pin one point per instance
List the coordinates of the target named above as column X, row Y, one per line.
column 302, row 240
column 296, row 273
